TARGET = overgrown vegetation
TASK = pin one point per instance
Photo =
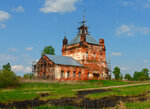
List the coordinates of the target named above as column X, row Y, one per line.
column 137, row 76
column 7, row 77
column 28, row 76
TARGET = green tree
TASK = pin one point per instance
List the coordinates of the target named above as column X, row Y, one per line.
column 142, row 75
column 48, row 50
column 8, row 79
column 128, row 77
column 145, row 71
column 117, row 73
column 28, row 75
column 7, row 67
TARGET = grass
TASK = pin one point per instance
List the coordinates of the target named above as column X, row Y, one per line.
column 31, row 90
column 138, row 105
column 57, row 107
column 124, row 91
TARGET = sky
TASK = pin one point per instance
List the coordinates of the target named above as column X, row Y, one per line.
column 27, row 26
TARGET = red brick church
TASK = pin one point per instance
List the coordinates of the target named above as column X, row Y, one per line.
column 83, row 58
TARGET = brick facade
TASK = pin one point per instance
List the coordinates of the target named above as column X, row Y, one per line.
column 85, row 50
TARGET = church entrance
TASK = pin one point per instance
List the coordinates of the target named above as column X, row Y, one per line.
column 95, row 76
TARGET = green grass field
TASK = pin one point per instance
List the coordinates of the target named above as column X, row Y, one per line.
column 32, row 90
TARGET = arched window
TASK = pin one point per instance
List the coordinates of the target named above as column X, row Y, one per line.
column 68, row 74
column 101, row 56
column 94, row 55
column 79, row 74
column 74, row 74
column 62, row 72
column 86, row 54
column 88, row 75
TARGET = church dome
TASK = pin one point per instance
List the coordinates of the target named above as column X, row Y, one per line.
column 89, row 39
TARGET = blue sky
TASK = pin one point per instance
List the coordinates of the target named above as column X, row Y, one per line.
column 26, row 27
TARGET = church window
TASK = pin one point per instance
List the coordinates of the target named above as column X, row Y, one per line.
column 79, row 74
column 94, row 55
column 68, row 74
column 101, row 56
column 74, row 74
column 86, row 54
column 88, row 75
column 62, row 72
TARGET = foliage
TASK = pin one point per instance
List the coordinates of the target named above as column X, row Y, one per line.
column 128, row 77
column 48, row 50
column 117, row 73
column 142, row 75
column 7, row 67
column 28, row 75
column 8, row 79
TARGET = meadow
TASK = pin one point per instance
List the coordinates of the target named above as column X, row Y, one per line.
column 56, row 90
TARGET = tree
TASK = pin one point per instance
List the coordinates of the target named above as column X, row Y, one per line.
column 48, row 50
column 117, row 73
column 8, row 78
column 145, row 71
column 7, row 67
column 128, row 77
column 28, row 75
column 142, row 75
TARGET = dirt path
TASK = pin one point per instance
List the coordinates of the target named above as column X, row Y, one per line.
column 109, row 87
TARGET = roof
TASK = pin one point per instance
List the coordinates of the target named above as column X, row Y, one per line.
column 63, row 60
column 89, row 39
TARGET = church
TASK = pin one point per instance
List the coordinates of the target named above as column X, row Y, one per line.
column 83, row 58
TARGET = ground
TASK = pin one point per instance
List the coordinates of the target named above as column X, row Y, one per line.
column 76, row 94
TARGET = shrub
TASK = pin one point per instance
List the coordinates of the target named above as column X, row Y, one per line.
column 28, row 76
column 8, row 79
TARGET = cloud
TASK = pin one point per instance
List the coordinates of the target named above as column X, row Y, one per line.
column 131, row 30
column 116, row 54
column 58, row 6
column 13, row 50
column 4, row 16
column 29, row 48
column 146, row 61
column 136, row 3
column 2, row 26
column 7, row 58
column 124, row 68
column 21, row 69
column 18, row 9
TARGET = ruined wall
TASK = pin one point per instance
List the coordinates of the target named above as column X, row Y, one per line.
column 91, row 56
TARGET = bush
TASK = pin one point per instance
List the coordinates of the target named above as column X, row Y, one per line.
column 28, row 76
column 8, row 79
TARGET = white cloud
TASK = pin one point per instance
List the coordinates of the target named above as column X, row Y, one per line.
column 7, row 58
column 29, row 48
column 116, row 54
column 13, row 50
column 136, row 3
column 18, row 9
column 146, row 61
column 2, row 26
column 21, row 69
column 4, row 16
column 124, row 68
column 131, row 30
column 58, row 6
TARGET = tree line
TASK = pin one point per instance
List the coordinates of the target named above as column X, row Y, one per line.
column 137, row 76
